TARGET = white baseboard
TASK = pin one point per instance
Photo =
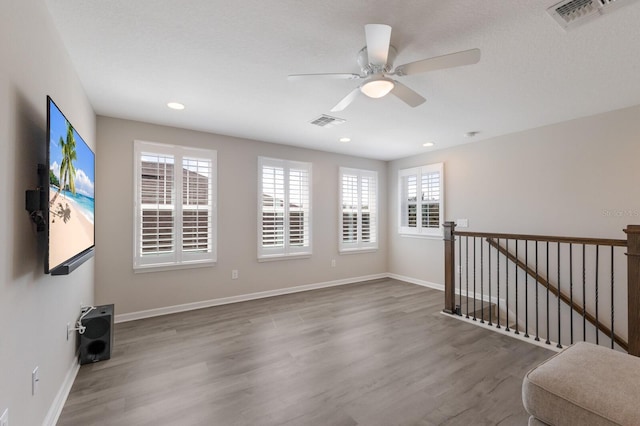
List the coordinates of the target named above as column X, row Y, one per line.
column 132, row 316
column 416, row 281
column 58, row 403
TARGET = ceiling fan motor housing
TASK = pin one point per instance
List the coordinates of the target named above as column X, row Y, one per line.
column 370, row 69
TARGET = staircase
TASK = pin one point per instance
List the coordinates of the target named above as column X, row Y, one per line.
column 483, row 312
column 556, row 289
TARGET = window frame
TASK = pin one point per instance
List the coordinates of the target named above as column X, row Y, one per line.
column 177, row 258
column 359, row 245
column 419, row 230
column 287, row 250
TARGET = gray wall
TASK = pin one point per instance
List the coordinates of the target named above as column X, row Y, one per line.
column 237, row 224
column 576, row 178
column 34, row 308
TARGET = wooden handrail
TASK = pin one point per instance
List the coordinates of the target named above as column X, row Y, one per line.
column 545, row 238
column 553, row 289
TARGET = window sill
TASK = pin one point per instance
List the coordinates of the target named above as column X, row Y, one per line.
column 423, row 236
column 172, row 267
column 276, row 258
column 357, row 250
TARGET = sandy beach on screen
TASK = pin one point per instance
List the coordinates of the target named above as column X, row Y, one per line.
column 70, row 237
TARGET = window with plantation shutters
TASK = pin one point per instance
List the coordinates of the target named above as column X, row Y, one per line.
column 358, row 216
column 284, row 208
column 175, row 206
column 421, row 200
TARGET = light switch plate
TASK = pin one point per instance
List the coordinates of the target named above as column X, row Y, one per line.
column 4, row 419
column 462, row 223
column 35, row 379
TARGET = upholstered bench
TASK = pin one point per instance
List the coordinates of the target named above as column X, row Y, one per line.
column 584, row 385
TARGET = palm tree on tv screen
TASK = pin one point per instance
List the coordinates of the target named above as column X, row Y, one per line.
column 67, row 169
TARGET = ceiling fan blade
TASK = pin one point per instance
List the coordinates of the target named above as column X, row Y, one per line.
column 408, row 96
column 378, row 38
column 346, row 100
column 334, row 76
column 466, row 57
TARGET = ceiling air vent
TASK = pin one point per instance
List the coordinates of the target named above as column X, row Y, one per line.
column 327, row 121
column 572, row 13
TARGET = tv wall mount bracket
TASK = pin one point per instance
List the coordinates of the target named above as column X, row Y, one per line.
column 36, row 200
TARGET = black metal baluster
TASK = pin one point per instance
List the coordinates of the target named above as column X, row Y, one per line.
column 466, row 242
column 474, row 278
column 526, row 290
column 537, row 339
column 459, row 311
column 489, row 279
column 548, row 278
column 506, row 280
column 516, row 274
column 597, row 273
column 571, row 290
column 612, row 307
column 559, row 345
column 498, row 282
column 481, row 282
column 584, row 295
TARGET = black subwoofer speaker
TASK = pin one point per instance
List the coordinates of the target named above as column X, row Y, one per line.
column 97, row 340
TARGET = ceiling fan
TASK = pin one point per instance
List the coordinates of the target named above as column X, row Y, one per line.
column 376, row 62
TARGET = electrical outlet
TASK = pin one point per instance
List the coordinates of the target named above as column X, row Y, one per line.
column 35, row 379
column 4, row 419
column 333, row 263
column 234, row 274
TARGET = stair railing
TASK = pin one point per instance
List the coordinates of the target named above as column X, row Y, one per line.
column 547, row 287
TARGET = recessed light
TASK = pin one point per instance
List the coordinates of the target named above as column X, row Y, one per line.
column 175, row 105
column 345, row 140
column 427, row 144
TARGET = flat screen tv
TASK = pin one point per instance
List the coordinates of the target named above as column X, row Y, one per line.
column 70, row 186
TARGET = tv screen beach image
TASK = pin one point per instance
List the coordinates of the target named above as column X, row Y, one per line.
column 71, row 191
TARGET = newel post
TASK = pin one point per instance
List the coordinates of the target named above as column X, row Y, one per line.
column 633, row 283
column 449, row 267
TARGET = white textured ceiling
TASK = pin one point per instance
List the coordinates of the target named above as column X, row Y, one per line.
column 228, row 62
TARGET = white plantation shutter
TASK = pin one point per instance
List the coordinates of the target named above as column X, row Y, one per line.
column 197, row 208
column 430, row 199
column 157, row 215
column 299, row 207
column 421, row 200
column 273, row 200
column 369, row 210
column 349, row 216
column 284, row 208
column 358, row 218
column 175, row 206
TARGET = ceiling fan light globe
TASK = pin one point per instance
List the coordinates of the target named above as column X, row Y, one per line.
column 377, row 88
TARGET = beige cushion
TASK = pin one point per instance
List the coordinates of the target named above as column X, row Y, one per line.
column 585, row 385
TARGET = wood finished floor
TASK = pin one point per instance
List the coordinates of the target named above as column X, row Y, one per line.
column 374, row 353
